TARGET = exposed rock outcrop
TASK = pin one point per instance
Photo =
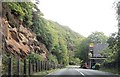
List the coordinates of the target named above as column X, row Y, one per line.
column 21, row 41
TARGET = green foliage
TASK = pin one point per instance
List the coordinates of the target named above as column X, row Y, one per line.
column 28, row 10
column 83, row 50
column 117, row 47
column 77, row 60
column 14, row 60
column 83, row 47
column 97, row 37
column 114, row 45
column 52, row 58
column 16, row 8
column 111, row 50
column 60, row 40
column 34, row 56
column 106, row 52
column 22, row 11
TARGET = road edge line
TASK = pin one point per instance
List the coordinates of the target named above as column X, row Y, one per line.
column 80, row 72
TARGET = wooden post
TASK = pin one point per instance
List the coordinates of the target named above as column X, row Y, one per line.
column 36, row 65
column 41, row 65
column 49, row 65
column 18, row 66
column 29, row 67
column 10, row 66
column 33, row 66
column 53, row 65
column 56, row 65
column 25, row 71
column 45, row 65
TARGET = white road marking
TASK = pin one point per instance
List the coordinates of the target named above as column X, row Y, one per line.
column 80, row 72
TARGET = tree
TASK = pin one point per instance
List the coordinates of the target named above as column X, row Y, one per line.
column 83, row 50
column 118, row 35
column 83, row 47
column 97, row 37
column 52, row 58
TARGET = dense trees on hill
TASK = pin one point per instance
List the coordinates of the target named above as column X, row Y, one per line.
column 18, row 12
column 60, row 41
column 98, row 37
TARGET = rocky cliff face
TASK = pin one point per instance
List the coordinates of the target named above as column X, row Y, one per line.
column 21, row 41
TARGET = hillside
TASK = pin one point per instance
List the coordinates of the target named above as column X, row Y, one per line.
column 21, row 41
column 26, row 31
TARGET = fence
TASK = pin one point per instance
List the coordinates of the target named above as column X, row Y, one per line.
column 27, row 66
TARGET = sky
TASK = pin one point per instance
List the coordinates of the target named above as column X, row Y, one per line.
column 82, row 16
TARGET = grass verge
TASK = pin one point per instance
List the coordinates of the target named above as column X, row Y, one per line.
column 111, row 70
column 45, row 72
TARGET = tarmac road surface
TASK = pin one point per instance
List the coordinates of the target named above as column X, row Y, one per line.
column 75, row 71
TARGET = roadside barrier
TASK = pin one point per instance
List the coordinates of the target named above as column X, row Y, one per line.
column 27, row 66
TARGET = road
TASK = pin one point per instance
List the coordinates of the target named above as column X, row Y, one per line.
column 74, row 71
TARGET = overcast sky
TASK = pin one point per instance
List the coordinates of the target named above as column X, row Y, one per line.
column 82, row 16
